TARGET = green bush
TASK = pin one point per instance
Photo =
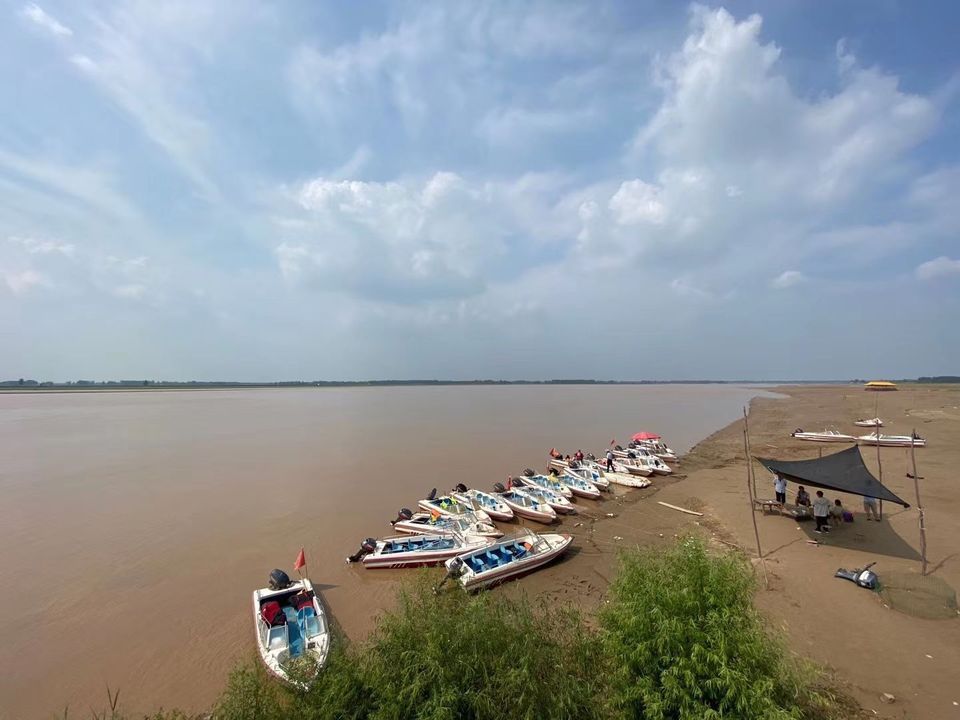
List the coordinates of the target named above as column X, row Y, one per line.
column 687, row 643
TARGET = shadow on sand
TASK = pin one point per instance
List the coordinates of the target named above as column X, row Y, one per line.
column 866, row 536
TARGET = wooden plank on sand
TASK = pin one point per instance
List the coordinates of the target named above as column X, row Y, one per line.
column 683, row 510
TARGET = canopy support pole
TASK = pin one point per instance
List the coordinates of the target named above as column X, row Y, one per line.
column 876, row 414
column 916, row 488
column 751, row 482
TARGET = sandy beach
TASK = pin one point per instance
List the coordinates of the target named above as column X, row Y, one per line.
column 869, row 648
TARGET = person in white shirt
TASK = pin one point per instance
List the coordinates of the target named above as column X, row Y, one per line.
column 780, row 488
column 821, row 512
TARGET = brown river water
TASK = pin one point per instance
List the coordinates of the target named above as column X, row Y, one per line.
column 136, row 524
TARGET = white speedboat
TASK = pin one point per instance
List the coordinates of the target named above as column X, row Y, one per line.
column 658, row 448
column 527, row 506
column 293, row 636
column 590, row 475
column 552, row 498
column 506, row 559
column 415, row 550
column 447, row 505
column 479, row 500
column 424, row 523
column 579, row 486
column 870, row 422
column 892, row 440
column 551, row 482
column 638, row 460
column 621, row 477
column 825, row 436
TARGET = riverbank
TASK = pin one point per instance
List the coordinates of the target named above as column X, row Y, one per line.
column 870, row 648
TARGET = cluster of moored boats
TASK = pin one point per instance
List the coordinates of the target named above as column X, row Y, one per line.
column 874, row 438
column 458, row 529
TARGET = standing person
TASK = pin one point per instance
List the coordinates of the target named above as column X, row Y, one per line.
column 821, row 513
column 870, row 508
column 578, row 456
column 780, row 487
column 609, row 460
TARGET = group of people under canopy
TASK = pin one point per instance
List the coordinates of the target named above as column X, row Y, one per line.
column 843, row 472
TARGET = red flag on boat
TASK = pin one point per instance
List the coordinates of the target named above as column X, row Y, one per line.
column 301, row 561
column 613, row 442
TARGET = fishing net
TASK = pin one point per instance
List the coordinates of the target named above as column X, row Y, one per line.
column 922, row 596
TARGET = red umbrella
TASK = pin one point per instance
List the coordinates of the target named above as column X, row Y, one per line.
column 646, row 436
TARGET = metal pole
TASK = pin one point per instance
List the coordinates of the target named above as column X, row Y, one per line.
column 753, row 512
column 876, row 430
column 916, row 488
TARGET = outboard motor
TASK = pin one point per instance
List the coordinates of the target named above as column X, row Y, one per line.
column 461, row 488
column 432, row 495
column 403, row 514
column 574, row 464
column 499, row 487
column 529, row 472
column 455, row 570
column 619, row 447
column 631, row 454
column 279, row 580
column 864, row 577
column 366, row 547
column 591, row 456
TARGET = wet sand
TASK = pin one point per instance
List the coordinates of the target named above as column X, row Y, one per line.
column 137, row 524
column 870, row 648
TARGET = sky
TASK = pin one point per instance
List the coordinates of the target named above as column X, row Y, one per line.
column 237, row 190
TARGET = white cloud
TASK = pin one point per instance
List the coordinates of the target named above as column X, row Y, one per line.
column 38, row 15
column 787, row 279
column 130, row 292
column 43, row 247
column 636, row 202
column 937, row 268
column 22, row 282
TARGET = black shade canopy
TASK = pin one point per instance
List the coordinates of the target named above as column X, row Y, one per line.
column 843, row 471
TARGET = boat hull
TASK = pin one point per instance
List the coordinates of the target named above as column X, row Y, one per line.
column 495, row 576
column 892, row 441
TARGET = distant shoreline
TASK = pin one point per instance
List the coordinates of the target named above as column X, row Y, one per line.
column 112, row 387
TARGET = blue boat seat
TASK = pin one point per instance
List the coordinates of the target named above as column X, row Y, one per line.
column 492, row 559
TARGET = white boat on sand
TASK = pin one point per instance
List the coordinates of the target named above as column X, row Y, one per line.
column 825, row 436
column 424, row 523
column 415, row 550
column 544, row 494
column 484, row 501
column 590, row 475
column 870, row 422
column 447, row 505
column 657, row 447
column 579, row 486
column 527, row 506
column 506, row 559
column 546, row 481
column 892, row 440
column 293, row 636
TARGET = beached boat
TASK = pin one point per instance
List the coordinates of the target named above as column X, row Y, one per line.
column 544, row 494
column 447, row 505
column 479, row 500
column 424, row 523
column 579, row 486
column 892, row 440
column 415, row 550
column 621, row 477
column 653, row 442
column 871, row 422
column 506, row 559
column 293, row 636
column 657, row 447
column 825, row 436
column 590, row 475
column 640, row 461
column 526, row 505
column 550, row 482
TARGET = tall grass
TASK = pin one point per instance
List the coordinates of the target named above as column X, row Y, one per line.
column 687, row 643
column 679, row 639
